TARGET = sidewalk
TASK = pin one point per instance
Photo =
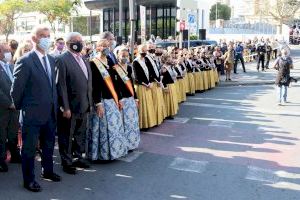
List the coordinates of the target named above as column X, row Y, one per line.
column 253, row 77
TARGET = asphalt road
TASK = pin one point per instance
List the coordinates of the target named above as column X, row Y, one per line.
column 230, row 143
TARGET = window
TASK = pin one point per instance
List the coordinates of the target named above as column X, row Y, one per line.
column 80, row 24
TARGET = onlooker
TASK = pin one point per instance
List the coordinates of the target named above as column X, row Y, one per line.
column 9, row 124
column 283, row 64
column 22, row 49
column 59, row 47
column 34, row 93
column 229, row 62
column 74, row 89
column 13, row 44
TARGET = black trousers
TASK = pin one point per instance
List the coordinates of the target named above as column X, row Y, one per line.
column 9, row 126
column 30, row 135
column 71, row 137
column 268, row 60
column 237, row 58
column 261, row 59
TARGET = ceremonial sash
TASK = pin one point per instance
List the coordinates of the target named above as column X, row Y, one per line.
column 153, row 65
column 121, row 72
column 144, row 67
column 107, row 79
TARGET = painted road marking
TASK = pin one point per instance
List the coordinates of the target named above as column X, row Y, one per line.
column 222, row 120
column 157, row 134
column 221, row 124
column 187, row 165
column 262, row 175
column 181, row 120
column 131, row 156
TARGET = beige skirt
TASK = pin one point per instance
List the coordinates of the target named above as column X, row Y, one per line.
column 158, row 103
column 170, row 96
column 147, row 118
column 191, row 83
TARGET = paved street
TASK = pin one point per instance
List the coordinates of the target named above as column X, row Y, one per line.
column 230, row 143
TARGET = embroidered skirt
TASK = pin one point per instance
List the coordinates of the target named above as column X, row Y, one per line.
column 147, row 118
column 170, row 97
column 158, row 104
column 106, row 137
column 131, row 123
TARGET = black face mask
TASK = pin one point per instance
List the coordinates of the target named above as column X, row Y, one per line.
column 151, row 50
column 76, row 46
column 158, row 54
column 143, row 55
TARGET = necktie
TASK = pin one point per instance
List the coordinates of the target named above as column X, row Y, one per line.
column 8, row 72
column 47, row 69
column 82, row 66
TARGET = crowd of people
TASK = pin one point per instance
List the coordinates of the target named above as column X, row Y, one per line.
column 95, row 99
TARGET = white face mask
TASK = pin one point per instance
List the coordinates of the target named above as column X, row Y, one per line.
column 45, row 44
column 7, row 57
column 114, row 44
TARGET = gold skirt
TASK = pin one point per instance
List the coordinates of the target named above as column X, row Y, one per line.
column 147, row 118
column 212, row 79
column 186, row 84
column 191, row 83
column 205, row 80
column 178, row 92
column 158, row 103
column 182, row 87
column 201, row 84
column 171, row 101
column 217, row 78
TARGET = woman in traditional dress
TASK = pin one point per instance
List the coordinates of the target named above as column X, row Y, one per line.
column 170, row 92
column 147, row 118
column 129, row 102
column 190, row 71
column 107, row 139
column 180, row 78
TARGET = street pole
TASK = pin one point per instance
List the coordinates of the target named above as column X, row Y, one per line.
column 120, row 17
column 132, row 16
column 216, row 12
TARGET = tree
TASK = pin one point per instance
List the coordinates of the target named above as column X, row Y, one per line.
column 223, row 12
column 283, row 11
column 56, row 11
column 10, row 10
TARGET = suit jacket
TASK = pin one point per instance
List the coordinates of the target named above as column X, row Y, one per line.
column 32, row 92
column 5, row 86
column 74, row 90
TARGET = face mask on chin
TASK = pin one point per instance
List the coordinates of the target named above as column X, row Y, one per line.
column 143, row 55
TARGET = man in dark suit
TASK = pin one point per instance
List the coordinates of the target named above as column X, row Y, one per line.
column 74, row 88
column 34, row 93
column 8, row 114
column 111, row 58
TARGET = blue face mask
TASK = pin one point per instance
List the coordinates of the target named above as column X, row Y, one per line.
column 45, row 44
column 106, row 51
column 114, row 44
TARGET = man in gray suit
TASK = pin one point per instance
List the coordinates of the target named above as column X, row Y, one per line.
column 74, row 89
column 8, row 114
column 34, row 93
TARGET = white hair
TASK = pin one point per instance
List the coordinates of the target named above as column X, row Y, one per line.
column 38, row 28
column 70, row 36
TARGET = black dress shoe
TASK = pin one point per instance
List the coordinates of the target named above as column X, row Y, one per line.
column 81, row 164
column 3, row 167
column 33, row 186
column 53, row 177
column 69, row 169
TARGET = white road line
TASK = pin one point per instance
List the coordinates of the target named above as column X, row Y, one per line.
column 218, row 123
column 158, row 134
column 262, row 175
column 131, row 156
column 181, row 120
column 187, row 165
column 216, row 99
column 222, row 120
